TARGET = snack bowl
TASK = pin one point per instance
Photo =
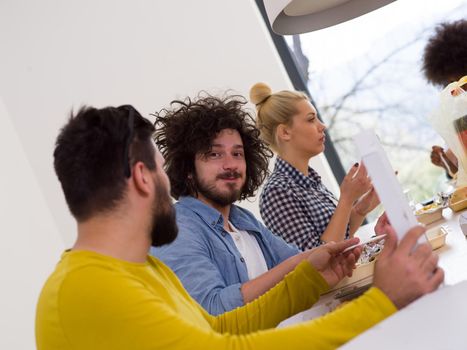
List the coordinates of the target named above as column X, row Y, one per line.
column 361, row 272
column 458, row 200
column 429, row 213
column 458, row 205
column 436, row 237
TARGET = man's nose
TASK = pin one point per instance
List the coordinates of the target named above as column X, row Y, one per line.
column 230, row 163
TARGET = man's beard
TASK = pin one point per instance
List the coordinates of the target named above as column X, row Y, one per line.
column 164, row 225
column 221, row 198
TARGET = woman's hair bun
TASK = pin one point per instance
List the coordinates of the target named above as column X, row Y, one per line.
column 259, row 93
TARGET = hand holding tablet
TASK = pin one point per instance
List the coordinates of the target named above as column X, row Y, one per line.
column 385, row 183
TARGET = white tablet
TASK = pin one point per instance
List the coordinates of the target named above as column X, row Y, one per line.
column 386, row 184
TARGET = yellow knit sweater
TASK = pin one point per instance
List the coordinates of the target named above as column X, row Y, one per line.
column 93, row 301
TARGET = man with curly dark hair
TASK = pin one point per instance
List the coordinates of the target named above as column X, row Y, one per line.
column 445, row 61
column 224, row 256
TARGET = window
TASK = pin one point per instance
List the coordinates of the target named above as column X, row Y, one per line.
column 366, row 73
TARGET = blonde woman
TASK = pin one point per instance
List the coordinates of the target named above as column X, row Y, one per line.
column 294, row 203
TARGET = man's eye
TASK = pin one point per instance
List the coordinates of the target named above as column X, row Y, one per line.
column 239, row 154
column 214, row 155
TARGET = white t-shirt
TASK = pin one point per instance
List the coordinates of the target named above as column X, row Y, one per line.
column 250, row 250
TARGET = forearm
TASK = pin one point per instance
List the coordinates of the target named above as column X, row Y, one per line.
column 326, row 332
column 297, row 292
column 332, row 330
column 261, row 284
column 356, row 220
column 335, row 231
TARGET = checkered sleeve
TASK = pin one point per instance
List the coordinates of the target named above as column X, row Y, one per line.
column 285, row 215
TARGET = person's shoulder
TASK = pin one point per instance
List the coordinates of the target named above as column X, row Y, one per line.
column 277, row 184
column 82, row 269
column 279, row 180
column 183, row 210
column 187, row 219
column 247, row 218
column 192, row 236
column 244, row 213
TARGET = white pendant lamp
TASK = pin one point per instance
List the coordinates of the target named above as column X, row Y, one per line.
column 301, row 16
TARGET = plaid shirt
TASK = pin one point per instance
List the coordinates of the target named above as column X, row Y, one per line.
column 297, row 207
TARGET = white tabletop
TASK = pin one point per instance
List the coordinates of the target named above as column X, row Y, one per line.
column 412, row 327
column 453, row 256
column 436, row 321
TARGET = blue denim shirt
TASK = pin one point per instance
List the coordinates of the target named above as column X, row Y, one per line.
column 205, row 258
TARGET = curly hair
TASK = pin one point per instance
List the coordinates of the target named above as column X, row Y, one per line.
column 445, row 55
column 189, row 127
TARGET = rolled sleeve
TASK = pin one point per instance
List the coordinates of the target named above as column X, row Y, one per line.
column 228, row 298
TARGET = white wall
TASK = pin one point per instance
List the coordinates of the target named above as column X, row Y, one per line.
column 29, row 240
column 56, row 55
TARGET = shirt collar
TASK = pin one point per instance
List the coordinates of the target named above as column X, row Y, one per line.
column 312, row 180
column 213, row 217
column 206, row 212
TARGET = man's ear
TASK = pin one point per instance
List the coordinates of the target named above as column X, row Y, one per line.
column 283, row 132
column 142, row 178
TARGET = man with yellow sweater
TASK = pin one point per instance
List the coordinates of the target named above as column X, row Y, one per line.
column 107, row 293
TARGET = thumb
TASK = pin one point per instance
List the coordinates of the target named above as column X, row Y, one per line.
column 390, row 242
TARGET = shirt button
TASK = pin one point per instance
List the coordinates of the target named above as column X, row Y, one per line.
column 242, row 260
column 223, row 234
column 237, row 237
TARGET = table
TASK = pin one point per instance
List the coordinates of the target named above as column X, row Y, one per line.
column 453, row 256
column 453, row 259
column 436, row 321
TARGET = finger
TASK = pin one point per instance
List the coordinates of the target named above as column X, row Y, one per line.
column 363, row 170
column 436, row 160
column 382, row 220
column 345, row 264
column 357, row 252
column 352, row 171
column 383, row 224
column 421, row 253
column 338, row 247
column 375, row 199
column 361, row 174
column 350, row 260
column 436, row 279
column 410, row 239
column 431, row 263
column 390, row 242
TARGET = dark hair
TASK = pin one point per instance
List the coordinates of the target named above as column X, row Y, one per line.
column 189, row 128
column 445, row 56
column 92, row 153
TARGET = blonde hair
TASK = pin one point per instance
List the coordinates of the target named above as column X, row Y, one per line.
column 273, row 109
